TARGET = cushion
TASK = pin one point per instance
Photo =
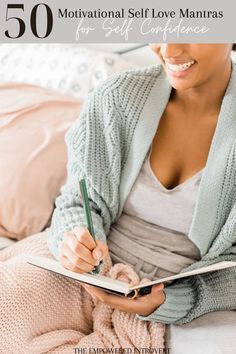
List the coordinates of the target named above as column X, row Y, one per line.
column 66, row 68
column 33, row 155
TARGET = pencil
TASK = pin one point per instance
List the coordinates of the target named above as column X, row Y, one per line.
column 88, row 217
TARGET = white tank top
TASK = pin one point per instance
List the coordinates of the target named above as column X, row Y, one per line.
column 169, row 208
column 151, row 233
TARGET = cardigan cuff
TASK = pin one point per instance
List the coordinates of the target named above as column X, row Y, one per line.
column 180, row 299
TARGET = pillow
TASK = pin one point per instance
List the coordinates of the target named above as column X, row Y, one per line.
column 65, row 68
column 33, row 155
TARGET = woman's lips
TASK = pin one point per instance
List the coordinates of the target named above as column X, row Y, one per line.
column 180, row 70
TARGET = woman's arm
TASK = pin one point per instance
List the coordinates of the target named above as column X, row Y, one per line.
column 87, row 142
column 192, row 297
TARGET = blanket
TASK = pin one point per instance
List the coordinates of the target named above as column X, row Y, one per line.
column 43, row 312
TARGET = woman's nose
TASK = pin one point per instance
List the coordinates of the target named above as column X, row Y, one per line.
column 169, row 50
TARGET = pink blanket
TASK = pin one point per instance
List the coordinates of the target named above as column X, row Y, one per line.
column 42, row 312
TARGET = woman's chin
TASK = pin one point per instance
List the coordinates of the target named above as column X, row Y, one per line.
column 179, row 84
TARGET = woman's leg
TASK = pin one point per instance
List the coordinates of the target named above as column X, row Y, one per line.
column 212, row 333
column 39, row 310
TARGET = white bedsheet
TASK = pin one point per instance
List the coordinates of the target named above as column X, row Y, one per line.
column 212, row 333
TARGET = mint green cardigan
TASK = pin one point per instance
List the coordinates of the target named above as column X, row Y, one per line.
column 107, row 146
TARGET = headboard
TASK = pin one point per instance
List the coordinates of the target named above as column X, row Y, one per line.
column 139, row 53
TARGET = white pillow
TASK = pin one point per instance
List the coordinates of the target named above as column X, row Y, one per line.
column 66, row 68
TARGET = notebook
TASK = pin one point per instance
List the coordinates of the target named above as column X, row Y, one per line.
column 115, row 286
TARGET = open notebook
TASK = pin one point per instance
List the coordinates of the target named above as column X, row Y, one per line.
column 116, row 286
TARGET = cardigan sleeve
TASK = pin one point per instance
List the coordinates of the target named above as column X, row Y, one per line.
column 68, row 211
column 84, row 141
column 189, row 298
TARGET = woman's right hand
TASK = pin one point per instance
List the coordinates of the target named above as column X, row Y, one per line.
column 79, row 252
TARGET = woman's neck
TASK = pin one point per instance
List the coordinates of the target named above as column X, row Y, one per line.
column 205, row 99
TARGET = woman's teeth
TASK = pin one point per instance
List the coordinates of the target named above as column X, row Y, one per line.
column 180, row 67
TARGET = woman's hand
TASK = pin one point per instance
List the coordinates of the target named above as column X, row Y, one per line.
column 143, row 305
column 79, row 252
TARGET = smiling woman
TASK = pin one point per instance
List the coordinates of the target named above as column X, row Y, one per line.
column 179, row 117
column 168, row 193
column 157, row 148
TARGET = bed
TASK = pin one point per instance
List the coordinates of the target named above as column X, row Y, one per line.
column 34, row 167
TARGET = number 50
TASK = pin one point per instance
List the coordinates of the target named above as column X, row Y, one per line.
column 33, row 20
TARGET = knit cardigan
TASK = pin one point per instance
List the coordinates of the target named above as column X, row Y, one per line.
column 107, row 146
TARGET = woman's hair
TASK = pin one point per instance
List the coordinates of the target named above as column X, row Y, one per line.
column 234, row 47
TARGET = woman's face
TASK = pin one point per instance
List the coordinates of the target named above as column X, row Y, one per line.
column 192, row 65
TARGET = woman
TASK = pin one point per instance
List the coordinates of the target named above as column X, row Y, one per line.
column 187, row 108
column 156, row 147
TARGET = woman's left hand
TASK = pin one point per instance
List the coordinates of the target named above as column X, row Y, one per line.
column 143, row 305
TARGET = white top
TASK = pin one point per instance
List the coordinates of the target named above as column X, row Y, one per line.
column 169, row 208
column 152, row 231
